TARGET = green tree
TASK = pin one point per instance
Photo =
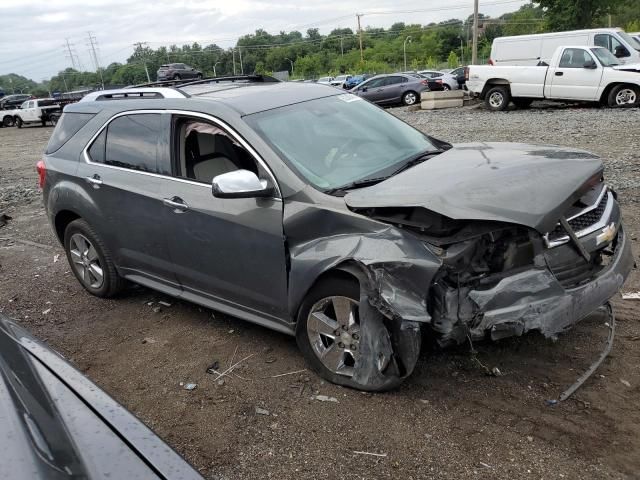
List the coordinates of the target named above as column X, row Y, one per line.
column 570, row 15
column 453, row 61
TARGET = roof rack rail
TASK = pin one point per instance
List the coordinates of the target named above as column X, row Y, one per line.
column 133, row 94
column 228, row 78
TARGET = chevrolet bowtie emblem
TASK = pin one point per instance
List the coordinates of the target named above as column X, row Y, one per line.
column 607, row 235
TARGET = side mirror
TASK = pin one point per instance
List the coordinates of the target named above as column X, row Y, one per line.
column 590, row 64
column 240, row 184
column 621, row 52
column 364, row 89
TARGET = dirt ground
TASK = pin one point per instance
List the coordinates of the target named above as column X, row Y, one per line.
column 450, row 420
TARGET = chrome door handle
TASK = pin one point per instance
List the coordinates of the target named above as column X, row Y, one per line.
column 95, row 181
column 176, row 203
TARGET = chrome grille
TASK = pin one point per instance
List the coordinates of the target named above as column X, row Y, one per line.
column 582, row 221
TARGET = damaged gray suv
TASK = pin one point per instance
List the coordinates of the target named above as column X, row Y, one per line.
column 315, row 213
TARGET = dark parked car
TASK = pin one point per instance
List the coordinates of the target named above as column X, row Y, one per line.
column 9, row 102
column 394, row 89
column 312, row 212
column 177, row 71
column 56, row 424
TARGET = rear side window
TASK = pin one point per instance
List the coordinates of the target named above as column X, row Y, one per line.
column 67, row 127
column 130, row 141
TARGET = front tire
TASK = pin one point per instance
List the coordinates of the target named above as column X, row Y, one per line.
column 446, row 88
column 199, row 76
column 18, row 122
column 331, row 336
column 176, row 77
column 91, row 261
column 410, row 98
column 497, row 99
column 624, row 96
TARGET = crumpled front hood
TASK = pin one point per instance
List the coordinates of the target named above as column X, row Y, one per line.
column 530, row 185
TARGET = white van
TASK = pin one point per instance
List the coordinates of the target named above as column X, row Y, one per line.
column 533, row 49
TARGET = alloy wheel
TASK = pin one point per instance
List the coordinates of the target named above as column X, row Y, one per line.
column 410, row 98
column 86, row 261
column 496, row 99
column 626, row 96
column 333, row 327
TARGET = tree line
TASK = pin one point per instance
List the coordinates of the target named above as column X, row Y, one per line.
column 311, row 55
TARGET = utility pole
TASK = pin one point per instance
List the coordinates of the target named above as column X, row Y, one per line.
column 474, row 48
column 92, row 44
column 241, row 66
column 233, row 55
column 141, row 46
column 214, row 69
column 358, row 15
column 404, row 51
column 609, row 20
column 71, row 54
column 341, row 47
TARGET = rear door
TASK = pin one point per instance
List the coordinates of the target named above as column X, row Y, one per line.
column 122, row 171
column 392, row 89
column 229, row 251
column 571, row 80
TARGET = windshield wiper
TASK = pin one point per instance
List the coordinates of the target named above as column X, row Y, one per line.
column 415, row 160
column 365, row 182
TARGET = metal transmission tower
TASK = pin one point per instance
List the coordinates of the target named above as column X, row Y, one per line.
column 92, row 44
column 71, row 54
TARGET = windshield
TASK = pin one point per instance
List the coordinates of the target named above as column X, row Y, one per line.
column 605, row 56
column 334, row 141
column 630, row 40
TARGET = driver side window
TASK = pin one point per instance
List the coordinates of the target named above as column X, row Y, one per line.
column 203, row 151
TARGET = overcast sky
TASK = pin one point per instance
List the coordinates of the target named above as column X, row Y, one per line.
column 33, row 32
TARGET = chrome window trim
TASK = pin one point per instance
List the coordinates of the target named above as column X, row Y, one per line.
column 602, row 223
column 210, row 118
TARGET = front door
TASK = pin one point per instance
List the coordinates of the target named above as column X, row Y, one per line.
column 230, row 251
column 571, row 80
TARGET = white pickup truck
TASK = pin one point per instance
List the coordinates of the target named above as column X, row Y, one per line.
column 580, row 74
column 32, row 111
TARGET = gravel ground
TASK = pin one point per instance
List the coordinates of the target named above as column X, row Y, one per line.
column 450, row 420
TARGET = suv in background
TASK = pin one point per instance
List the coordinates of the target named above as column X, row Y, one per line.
column 341, row 81
column 312, row 212
column 177, row 71
column 393, row 89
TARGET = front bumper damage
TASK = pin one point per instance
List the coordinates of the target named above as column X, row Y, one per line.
column 535, row 299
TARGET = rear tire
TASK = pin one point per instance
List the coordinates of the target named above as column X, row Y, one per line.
column 7, row 121
column 331, row 353
column 446, row 88
column 91, row 261
column 497, row 98
column 18, row 122
column 176, row 77
column 410, row 98
column 624, row 96
column 199, row 76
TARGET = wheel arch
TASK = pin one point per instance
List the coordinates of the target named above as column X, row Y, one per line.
column 348, row 269
column 61, row 220
column 492, row 82
column 607, row 90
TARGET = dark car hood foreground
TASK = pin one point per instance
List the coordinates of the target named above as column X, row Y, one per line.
column 56, row 424
column 530, row 185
